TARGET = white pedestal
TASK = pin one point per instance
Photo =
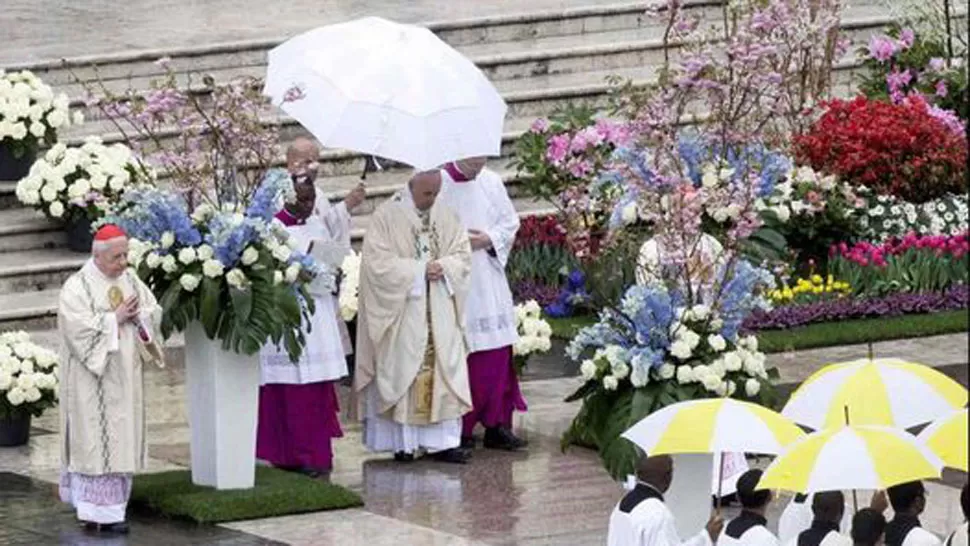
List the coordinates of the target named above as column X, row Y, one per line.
column 223, row 397
column 689, row 496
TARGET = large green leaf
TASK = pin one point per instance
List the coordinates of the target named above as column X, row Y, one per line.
column 242, row 304
column 210, row 309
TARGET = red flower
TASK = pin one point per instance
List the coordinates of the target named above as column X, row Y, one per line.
column 896, row 149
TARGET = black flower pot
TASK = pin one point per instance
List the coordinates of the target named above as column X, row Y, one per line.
column 79, row 236
column 15, row 430
column 12, row 169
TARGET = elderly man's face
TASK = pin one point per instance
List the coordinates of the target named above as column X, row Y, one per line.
column 425, row 188
column 303, row 160
column 112, row 257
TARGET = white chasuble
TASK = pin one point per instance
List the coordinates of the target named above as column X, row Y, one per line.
column 411, row 375
column 101, row 392
column 642, row 519
column 323, row 357
column 483, row 204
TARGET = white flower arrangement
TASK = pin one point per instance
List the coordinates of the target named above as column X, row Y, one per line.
column 535, row 334
column 30, row 112
column 83, row 182
column 28, row 375
column 349, row 284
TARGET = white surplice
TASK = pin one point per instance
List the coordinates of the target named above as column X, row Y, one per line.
column 648, row 523
column 798, row 516
column 323, row 357
column 483, row 204
column 336, row 220
column 747, row 530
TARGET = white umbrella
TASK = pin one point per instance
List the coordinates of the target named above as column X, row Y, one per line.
column 389, row 90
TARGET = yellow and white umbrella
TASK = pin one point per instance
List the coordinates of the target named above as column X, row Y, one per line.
column 716, row 425
column 851, row 457
column 884, row 391
column 947, row 437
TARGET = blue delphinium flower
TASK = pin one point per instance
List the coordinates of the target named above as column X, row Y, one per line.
column 148, row 213
column 274, row 189
column 740, row 295
column 771, row 166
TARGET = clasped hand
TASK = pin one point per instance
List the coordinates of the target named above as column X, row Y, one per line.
column 127, row 311
column 434, row 272
column 479, row 240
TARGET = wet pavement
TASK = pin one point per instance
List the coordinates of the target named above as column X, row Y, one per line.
column 538, row 497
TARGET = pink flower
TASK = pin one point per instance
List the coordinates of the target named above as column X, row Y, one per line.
column 881, row 48
column 813, row 197
column 579, row 169
column 540, row 125
column 557, row 149
column 897, row 80
column 937, row 64
column 941, row 88
column 906, row 38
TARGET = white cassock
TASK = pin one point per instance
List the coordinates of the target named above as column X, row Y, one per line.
column 323, row 357
column 484, row 204
column 102, row 407
column 797, row 517
column 747, row 529
column 819, row 535
column 336, row 221
column 399, row 308
column 642, row 519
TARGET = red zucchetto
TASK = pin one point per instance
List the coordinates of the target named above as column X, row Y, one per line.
column 109, row 232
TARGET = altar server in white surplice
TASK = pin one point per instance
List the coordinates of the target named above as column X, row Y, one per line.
column 828, row 509
column 412, row 378
column 107, row 320
column 298, row 406
column 642, row 519
column 477, row 195
column 750, row 528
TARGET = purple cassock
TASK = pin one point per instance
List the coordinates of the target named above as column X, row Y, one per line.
column 495, row 390
column 298, row 405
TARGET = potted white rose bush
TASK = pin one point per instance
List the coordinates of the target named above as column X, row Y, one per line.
column 78, row 186
column 30, row 117
column 28, row 385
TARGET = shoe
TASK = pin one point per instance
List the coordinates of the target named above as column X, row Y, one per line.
column 468, row 442
column 455, row 455
column 502, row 438
column 403, row 457
column 315, row 473
column 120, row 528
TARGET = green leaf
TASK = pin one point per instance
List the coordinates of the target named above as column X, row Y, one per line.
column 209, row 306
column 242, row 304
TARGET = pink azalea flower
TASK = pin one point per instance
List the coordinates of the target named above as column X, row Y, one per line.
column 557, row 149
column 937, row 64
column 906, row 38
column 941, row 88
column 540, row 125
column 881, row 48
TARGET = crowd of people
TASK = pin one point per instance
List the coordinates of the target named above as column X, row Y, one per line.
column 821, row 519
column 432, row 359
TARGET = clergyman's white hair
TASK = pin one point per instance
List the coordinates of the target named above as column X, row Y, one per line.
column 97, row 247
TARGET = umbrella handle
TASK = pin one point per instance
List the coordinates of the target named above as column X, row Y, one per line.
column 720, row 483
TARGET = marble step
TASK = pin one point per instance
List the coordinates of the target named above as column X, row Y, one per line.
column 28, row 293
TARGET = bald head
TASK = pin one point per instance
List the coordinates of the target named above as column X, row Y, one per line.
column 424, row 188
column 302, row 157
column 657, row 471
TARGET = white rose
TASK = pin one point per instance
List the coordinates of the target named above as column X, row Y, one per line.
column 282, row 253
column 680, row 350
column 23, row 350
column 700, row 312
column 610, row 383
column 721, row 389
column 212, row 268
column 750, row 343
column 709, row 179
column 543, row 344
column 236, row 278
column 45, row 359
column 187, row 255
column 277, row 277
column 153, row 260
column 25, row 381
column 37, row 129
column 782, row 212
column 249, row 256
column 189, row 282
column 15, row 396
column 32, row 394
column 56, row 119
column 621, row 370
column 752, row 387
column 666, row 371
column 168, row 239
column 292, row 273
column 18, row 131
column 732, row 362
column 48, row 193
column 530, row 327
column 711, row 382
column 688, row 336
column 5, row 380
column 629, row 213
column 169, row 264
column 717, row 368
column 56, row 209
column 205, row 252
column 754, row 364
column 685, row 375
column 716, row 342
column 532, row 308
column 639, row 378
column 98, row 181
column 717, row 324
column 588, row 369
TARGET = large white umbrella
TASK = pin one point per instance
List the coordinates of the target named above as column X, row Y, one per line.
column 389, row 90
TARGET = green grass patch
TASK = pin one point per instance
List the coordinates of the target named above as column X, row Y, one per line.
column 277, row 493
column 824, row 334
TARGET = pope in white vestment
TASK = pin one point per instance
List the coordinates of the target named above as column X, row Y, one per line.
column 642, row 519
column 298, row 405
column 478, row 196
column 107, row 320
column 412, row 377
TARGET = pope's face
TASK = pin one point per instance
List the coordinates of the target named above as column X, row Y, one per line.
column 112, row 258
column 424, row 189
